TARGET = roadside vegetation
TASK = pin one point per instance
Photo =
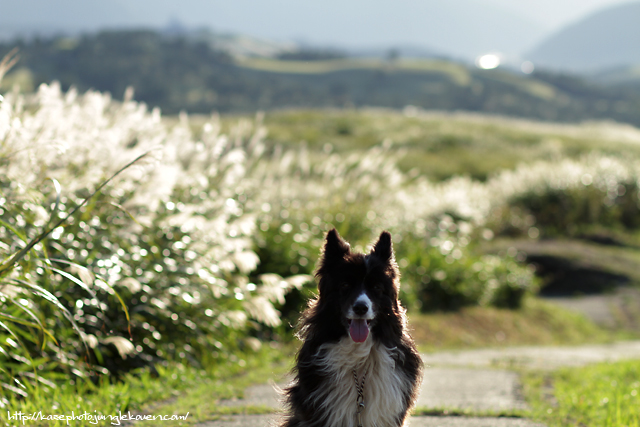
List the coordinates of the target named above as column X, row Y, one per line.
column 142, row 256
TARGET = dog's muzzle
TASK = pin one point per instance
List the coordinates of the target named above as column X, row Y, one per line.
column 360, row 316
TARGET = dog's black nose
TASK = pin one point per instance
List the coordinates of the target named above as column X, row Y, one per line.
column 360, row 308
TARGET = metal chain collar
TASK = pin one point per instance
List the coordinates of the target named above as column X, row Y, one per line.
column 360, row 398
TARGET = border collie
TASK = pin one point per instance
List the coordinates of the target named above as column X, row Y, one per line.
column 357, row 366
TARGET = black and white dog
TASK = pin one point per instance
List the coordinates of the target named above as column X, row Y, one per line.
column 357, row 366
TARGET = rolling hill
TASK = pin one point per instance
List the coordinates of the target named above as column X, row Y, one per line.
column 175, row 73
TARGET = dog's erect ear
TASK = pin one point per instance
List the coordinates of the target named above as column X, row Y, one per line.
column 334, row 247
column 333, row 253
column 383, row 249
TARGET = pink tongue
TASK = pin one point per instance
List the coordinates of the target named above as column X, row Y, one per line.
column 359, row 330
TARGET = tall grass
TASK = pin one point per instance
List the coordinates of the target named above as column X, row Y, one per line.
column 153, row 267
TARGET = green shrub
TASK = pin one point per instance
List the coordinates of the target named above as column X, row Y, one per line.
column 570, row 211
column 566, row 197
column 448, row 277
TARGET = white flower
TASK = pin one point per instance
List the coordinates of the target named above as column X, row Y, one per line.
column 123, row 345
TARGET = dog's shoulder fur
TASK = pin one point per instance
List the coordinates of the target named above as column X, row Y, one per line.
column 324, row 391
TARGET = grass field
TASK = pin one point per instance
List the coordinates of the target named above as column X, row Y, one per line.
column 440, row 145
column 604, row 395
column 537, row 323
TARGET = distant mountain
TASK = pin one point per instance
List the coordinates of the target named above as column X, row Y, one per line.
column 180, row 73
column 620, row 76
column 456, row 28
column 607, row 39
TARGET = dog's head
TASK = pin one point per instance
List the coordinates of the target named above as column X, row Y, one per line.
column 361, row 290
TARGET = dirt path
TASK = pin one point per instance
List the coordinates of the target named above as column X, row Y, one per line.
column 471, row 379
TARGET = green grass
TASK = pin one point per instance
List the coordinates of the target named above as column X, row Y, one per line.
column 537, row 323
column 603, row 395
column 438, row 145
column 176, row 390
column 201, row 399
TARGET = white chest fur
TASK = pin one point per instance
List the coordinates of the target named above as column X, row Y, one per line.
column 384, row 385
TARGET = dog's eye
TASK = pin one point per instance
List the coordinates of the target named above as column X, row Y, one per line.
column 344, row 286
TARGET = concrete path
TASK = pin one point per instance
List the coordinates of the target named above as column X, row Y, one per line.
column 536, row 357
column 270, row 420
column 479, row 389
column 470, row 379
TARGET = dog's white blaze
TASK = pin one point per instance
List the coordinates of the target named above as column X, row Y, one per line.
column 383, row 388
column 362, row 298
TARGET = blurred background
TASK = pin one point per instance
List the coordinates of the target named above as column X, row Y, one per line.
column 553, row 60
column 496, row 140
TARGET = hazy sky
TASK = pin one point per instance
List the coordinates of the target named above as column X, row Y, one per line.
column 555, row 13
column 549, row 13
column 517, row 25
column 459, row 28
